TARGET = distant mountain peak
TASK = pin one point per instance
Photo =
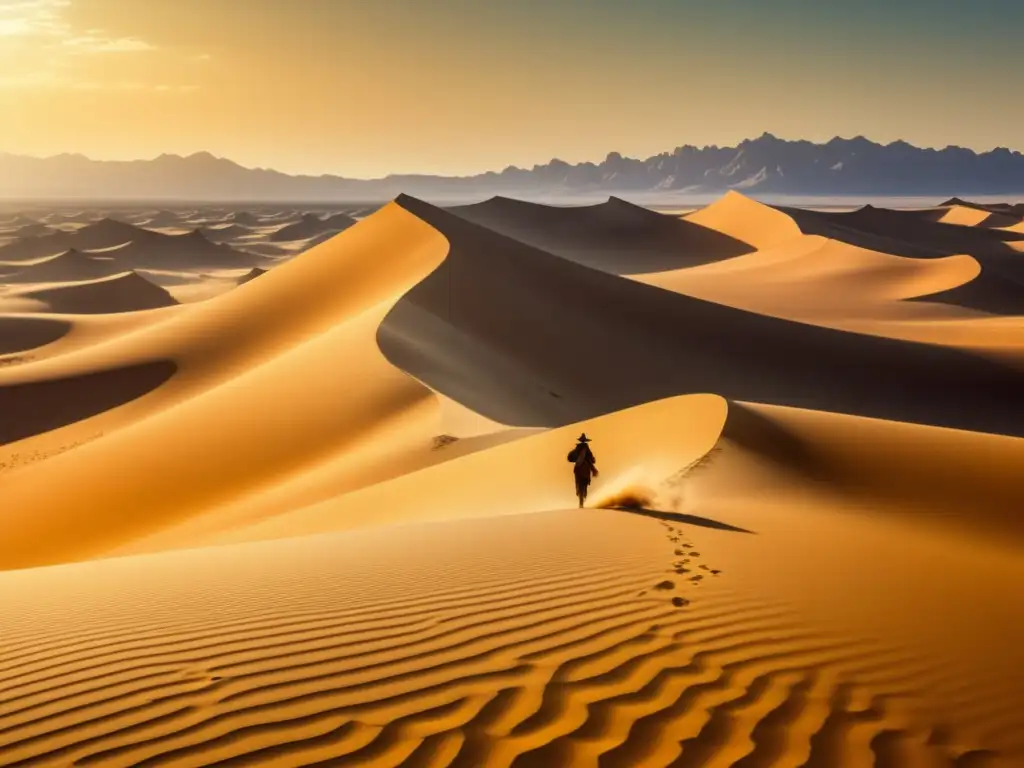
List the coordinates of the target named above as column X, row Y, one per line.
column 853, row 166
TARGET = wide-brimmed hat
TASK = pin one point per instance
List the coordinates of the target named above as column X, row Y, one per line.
column 583, row 438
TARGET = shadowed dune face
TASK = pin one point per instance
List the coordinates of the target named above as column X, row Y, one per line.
column 20, row 333
column 1000, row 288
column 472, row 331
column 127, row 292
column 615, row 236
column 32, row 408
column 67, row 267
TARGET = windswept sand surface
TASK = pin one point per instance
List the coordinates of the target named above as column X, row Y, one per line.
column 288, row 487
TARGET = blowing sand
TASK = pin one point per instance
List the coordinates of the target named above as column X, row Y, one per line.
column 313, row 508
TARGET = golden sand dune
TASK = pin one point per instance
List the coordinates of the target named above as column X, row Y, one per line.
column 561, row 638
column 293, row 524
column 825, row 282
column 747, row 220
column 308, row 315
column 616, row 236
column 974, row 217
column 829, row 275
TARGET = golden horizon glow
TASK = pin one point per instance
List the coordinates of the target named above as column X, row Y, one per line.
column 457, row 87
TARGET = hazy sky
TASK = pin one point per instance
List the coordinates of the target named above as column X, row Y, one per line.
column 368, row 87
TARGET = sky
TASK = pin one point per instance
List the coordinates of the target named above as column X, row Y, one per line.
column 364, row 88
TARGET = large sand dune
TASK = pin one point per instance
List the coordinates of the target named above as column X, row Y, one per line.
column 323, row 517
column 124, row 292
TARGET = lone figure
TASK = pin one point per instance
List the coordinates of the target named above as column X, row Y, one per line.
column 584, row 466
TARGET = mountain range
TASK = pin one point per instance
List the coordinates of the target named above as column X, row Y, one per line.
column 763, row 166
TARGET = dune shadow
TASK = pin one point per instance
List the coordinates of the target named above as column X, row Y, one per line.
column 21, row 333
column 678, row 517
column 500, row 326
column 615, row 236
column 33, row 408
column 998, row 290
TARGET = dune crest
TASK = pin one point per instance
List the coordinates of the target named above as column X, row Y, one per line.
column 615, row 236
column 747, row 220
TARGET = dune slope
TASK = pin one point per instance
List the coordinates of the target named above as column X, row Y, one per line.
column 591, row 637
column 535, row 340
column 615, row 236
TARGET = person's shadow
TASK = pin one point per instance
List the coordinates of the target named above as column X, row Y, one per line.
column 678, row 517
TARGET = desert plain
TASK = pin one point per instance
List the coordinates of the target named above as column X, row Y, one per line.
column 289, row 487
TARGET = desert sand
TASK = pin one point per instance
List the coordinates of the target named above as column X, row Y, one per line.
column 288, row 487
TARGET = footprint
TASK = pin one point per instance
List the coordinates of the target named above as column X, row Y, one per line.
column 695, row 554
column 680, row 602
column 704, row 567
column 679, row 552
column 698, row 577
column 666, row 584
column 682, row 570
column 715, row 572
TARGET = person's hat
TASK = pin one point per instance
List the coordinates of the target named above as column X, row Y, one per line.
column 583, row 438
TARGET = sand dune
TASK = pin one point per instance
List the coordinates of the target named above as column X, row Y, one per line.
column 21, row 334
column 910, row 234
column 746, row 220
column 226, row 233
column 998, row 290
column 1001, row 207
column 321, row 518
column 161, row 219
column 243, row 218
column 70, row 266
column 555, row 639
column 106, row 233
column 239, row 344
column 468, row 331
column 124, row 292
column 18, row 220
column 974, row 217
column 312, row 225
column 252, row 274
column 33, row 248
column 616, row 236
column 192, row 251
column 34, row 229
